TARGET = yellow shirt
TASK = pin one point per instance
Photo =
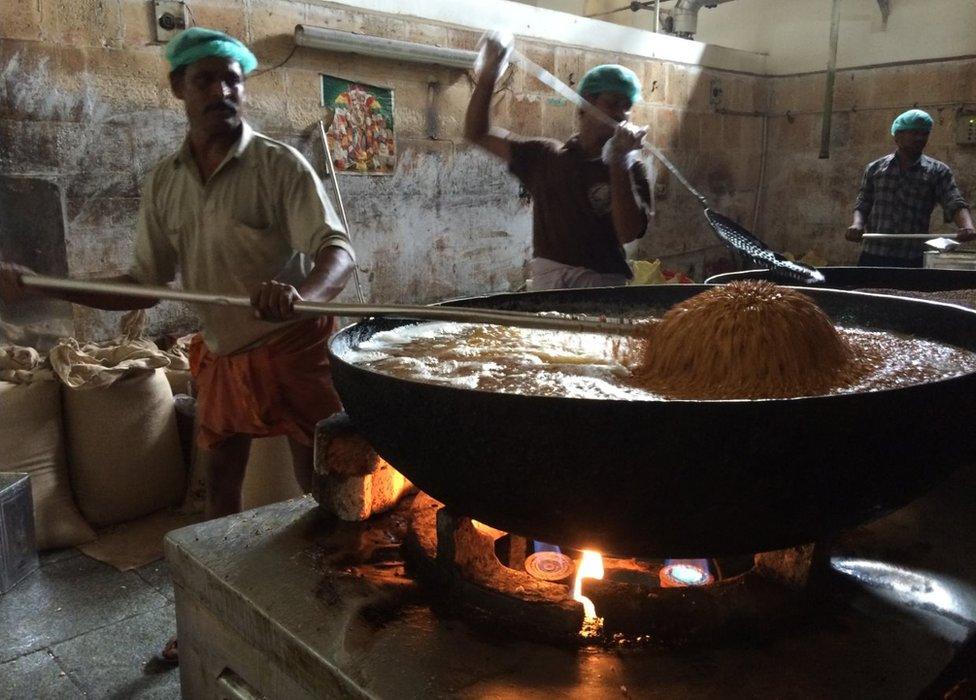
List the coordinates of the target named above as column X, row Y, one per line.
column 262, row 215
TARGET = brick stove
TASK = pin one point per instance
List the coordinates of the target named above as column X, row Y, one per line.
column 291, row 601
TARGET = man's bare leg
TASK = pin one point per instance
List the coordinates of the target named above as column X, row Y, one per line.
column 301, row 460
column 225, row 475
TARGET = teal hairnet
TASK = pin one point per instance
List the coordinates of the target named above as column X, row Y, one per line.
column 912, row 120
column 611, row 78
column 196, row 43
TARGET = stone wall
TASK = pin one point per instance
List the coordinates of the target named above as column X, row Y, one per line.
column 85, row 105
column 807, row 201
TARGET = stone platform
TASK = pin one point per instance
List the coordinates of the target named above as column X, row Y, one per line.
column 274, row 600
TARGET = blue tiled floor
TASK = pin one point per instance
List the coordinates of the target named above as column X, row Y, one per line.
column 79, row 628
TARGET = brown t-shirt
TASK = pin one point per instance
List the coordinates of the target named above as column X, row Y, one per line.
column 571, row 220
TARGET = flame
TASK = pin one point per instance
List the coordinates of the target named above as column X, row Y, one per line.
column 589, row 566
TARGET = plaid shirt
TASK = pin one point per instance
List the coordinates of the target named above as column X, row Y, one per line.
column 897, row 201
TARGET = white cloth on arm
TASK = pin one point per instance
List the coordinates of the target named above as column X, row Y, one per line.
column 262, row 215
column 549, row 274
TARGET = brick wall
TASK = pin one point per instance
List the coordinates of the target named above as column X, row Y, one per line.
column 807, row 201
column 85, row 104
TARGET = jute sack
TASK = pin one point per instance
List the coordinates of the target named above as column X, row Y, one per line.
column 32, row 441
column 178, row 370
column 270, row 476
column 123, row 448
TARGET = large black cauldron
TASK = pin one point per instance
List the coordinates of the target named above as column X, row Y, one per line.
column 905, row 278
column 673, row 478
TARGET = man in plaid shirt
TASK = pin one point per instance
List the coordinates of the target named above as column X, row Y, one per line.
column 898, row 194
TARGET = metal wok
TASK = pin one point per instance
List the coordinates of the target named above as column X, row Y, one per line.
column 672, row 478
column 917, row 279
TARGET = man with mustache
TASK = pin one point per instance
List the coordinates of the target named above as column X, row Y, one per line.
column 237, row 213
column 898, row 194
column 591, row 195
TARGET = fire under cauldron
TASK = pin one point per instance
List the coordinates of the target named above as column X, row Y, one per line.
column 664, row 477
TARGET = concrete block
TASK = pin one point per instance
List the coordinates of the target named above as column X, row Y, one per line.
column 541, row 54
column 466, row 39
column 655, row 82
column 692, row 127
column 29, row 146
column 127, row 79
column 98, row 146
column 226, row 15
column 935, row 82
column 525, row 114
column 84, row 188
column 99, row 248
column 42, row 81
column 383, row 25
column 333, row 17
column 666, row 127
column 568, row 64
column 351, row 480
column 83, row 23
column 21, row 19
column 267, row 93
column 642, row 114
column 138, row 22
column 889, row 86
column 428, row 33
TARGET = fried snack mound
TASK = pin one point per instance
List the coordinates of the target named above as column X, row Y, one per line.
column 746, row 340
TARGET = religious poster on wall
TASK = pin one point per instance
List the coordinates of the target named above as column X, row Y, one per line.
column 361, row 133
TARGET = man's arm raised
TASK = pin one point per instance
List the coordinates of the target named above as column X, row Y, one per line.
column 477, row 119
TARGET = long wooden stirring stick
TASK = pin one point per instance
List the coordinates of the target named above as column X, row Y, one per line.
column 578, row 323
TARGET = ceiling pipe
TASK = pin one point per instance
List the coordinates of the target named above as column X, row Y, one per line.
column 685, row 15
column 394, row 49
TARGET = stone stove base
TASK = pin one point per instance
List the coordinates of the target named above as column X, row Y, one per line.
column 266, row 602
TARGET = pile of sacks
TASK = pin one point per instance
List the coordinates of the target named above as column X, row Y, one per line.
column 98, row 430
column 95, row 428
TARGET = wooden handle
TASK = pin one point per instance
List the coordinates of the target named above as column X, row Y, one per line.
column 577, row 323
column 918, row 236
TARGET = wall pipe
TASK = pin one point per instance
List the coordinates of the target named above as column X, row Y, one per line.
column 395, row 49
column 828, row 105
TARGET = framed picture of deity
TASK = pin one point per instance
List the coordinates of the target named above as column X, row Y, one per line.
column 361, row 133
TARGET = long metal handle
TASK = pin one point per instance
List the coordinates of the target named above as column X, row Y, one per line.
column 342, row 208
column 921, row 236
column 574, row 323
column 563, row 89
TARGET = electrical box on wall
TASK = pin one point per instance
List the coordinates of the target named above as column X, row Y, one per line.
column 170, row 19
column 966, row 127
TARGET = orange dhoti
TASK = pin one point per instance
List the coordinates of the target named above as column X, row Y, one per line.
column 283, row 387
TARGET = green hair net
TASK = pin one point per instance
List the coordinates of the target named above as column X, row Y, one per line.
column 611, row 78
column 196, row 43
column 912, row 120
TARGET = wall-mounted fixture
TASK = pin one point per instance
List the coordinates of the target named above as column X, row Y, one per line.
column 685, row 14
column 966, row 127
column 395, row 49
column 170, row 18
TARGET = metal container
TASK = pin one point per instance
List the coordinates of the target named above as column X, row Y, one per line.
column 957, row 260
column 672, row 478
column 18, row 553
